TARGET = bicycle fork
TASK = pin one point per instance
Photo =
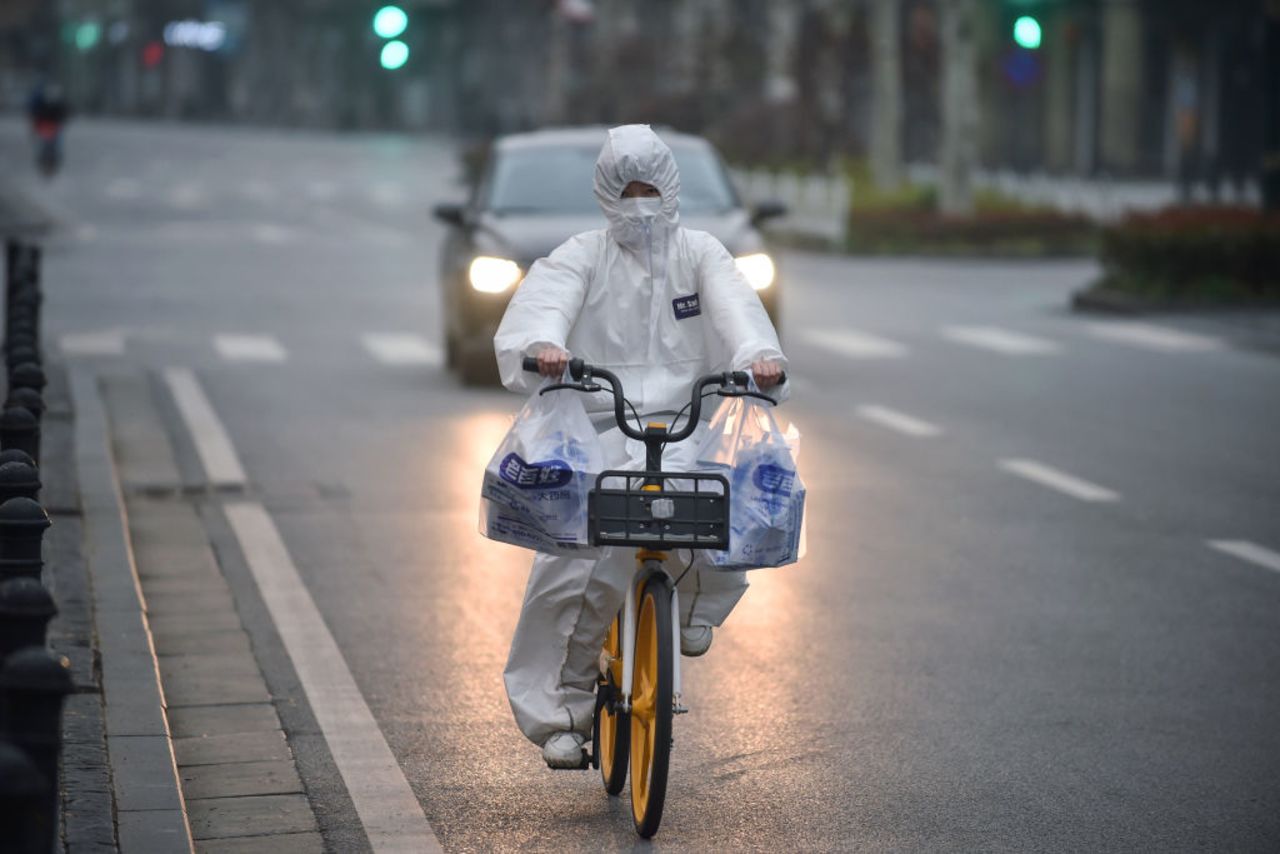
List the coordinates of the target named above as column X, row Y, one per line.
column 629, row 650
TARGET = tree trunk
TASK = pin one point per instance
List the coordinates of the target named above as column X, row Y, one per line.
column 959, row 107
column 886, row 86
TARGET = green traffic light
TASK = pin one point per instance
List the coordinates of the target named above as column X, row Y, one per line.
column 394, row 55
column 1026, row 32
column 390, row 21
column 87, row 35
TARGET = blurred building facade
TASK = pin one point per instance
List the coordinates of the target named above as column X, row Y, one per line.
column 1170, row 88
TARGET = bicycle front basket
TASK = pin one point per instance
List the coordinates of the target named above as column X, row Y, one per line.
column 696, row 516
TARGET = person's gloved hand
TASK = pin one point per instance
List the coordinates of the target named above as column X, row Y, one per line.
column 552, row 362
column 767, row 373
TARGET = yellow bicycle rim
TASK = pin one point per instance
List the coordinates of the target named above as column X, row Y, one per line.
column 644, row 722
column 609, row 722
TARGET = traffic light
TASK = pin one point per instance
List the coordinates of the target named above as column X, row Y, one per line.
column 395, row 53
column 1027, row 32
column 388, row 23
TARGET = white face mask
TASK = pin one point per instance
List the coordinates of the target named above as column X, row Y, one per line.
column 641, row 209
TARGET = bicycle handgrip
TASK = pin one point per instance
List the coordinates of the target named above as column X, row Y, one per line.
column 576, row 366
column 741, row 377
column 530, row 364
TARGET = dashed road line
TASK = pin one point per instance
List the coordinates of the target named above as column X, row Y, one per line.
column 123, row 189
column 1158, row 338
column 107, row 343
column 271, row 234
column 901, row 422
column 213, row 445
column 397, row 348
column 1058, row 480
column 1001, row 341
column 855, row 345
column 187, row 197
column 1247, row 551
column 391, row 815
column 249, row 348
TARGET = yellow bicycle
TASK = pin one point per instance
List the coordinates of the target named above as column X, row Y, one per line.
column 638, row 692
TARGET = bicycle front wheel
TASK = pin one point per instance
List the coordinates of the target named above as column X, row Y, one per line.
column 651, row 705
column 612, row 731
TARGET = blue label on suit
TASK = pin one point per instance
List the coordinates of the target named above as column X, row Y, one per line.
column 687, row 307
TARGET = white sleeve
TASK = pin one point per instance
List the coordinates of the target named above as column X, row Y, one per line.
column 543, row 310
column 736, row 313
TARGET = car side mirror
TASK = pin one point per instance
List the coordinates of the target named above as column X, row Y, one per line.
column 766, row 211
column 451, row 214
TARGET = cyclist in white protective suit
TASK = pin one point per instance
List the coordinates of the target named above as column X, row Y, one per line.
column 659, row 305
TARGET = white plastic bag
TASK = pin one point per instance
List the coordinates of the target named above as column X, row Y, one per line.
column 535, row 486
column 766, row 496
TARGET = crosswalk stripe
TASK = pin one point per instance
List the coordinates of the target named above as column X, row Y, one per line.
column 123, row 189
column 1247, row 551
column 855, row 345
column 1001, row 341
column 110, row 343
column 1151, row 337
column 399, row 348
column 1058, row 480
column 899, row 421
column 249, row 348
column 272, row 234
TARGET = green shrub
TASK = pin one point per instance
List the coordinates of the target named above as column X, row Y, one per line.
column 1209, row 253
column 1020, row 232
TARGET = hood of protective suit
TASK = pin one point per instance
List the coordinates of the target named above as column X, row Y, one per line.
column 635, row 153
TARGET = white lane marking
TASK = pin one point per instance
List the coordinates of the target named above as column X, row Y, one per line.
column 387, row 195
column 391, row 815
column 1059, row 480
column 123, row 189
column 899, row 421
column 187, row 197
column 855, row 345
column 1251, row 552
column 213, row 446
column 272, row 235
column 1151, row 337
column 87, row 233
column 1000, row 340
column 322, row 190
column 257, row 191
column 397, row 348
column 249, row 348
column 108, row 343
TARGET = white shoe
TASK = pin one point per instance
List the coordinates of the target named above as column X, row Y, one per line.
column 563, row 750
column 694, row 640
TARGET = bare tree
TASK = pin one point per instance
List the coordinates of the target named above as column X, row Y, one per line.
column 886, row 87
column 959, row 106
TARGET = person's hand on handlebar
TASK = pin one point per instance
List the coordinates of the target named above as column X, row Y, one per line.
column 767, row 373
column 552, row 362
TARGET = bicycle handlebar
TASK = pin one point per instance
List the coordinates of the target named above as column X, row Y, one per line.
column 578, row 369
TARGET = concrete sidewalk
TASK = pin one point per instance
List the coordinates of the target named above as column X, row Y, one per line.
column 172, row 741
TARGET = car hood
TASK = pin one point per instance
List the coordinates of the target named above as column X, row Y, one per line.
column 527, row 237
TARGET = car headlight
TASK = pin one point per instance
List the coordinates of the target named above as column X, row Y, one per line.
column 758, row 269
column 493, row 275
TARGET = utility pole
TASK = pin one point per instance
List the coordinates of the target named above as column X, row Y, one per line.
column 886, row 98
column 959, row 107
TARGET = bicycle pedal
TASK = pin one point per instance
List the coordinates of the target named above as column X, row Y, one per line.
column 679, row 709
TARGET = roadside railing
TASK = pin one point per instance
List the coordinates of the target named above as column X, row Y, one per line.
column 33, row 680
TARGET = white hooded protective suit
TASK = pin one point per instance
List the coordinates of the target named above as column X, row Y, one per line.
column 660, row 306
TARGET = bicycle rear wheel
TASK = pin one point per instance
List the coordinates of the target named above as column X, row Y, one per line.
column 611, row 733
column 651, row 705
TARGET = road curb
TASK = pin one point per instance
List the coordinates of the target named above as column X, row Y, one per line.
column 150, row 812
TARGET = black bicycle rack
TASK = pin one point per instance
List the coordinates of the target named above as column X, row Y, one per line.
column 695, row 516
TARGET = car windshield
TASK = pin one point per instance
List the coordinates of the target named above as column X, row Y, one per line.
column 558, row 179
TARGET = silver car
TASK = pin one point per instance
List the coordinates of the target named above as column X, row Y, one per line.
column 534, row 192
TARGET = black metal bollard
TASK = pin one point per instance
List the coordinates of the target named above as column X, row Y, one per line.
column 27, row 375
column 26, row 608
column 18, row 342
column 21, row 791
column 19, row 353
column 19, row 429
column 13, row 455
column 18, row 479
column 22, row 526
column 28, row 399
column 33, row 684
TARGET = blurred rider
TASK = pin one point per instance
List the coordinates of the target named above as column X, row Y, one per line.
column 48, row 111
column 659, row 305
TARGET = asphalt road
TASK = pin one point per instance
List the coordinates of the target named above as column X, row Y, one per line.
column 1012, row 631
